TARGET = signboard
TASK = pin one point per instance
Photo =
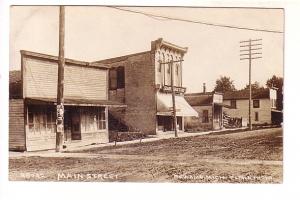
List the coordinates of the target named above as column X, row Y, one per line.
column 167, row 88
column 59, row 118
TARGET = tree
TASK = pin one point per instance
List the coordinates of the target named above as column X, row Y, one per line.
column 224, row 84
column 254, row 86
column 277, row 82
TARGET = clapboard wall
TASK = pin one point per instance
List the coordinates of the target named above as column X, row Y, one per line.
column 16, row 125
column 80, row 81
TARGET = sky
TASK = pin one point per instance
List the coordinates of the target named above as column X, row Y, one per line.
column 95, row 33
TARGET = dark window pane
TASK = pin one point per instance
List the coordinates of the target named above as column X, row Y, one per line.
column 233, row 103
column 112, row 79
column 255, row 103
column 120, row 77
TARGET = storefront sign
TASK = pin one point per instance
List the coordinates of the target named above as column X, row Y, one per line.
column 167, row 88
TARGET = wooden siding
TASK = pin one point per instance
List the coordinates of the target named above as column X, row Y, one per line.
column 264, row 111
column 80, row 81
column 16, row 125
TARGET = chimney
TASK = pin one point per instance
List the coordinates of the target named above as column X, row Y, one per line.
column 204, row 88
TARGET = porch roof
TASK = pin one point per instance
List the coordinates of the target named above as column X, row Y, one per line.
column 74, row 102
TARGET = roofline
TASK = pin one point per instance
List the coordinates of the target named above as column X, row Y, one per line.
column 160, row 42
column 119, row 58
column 67, row 60
column 201, row 93
column 244, row 98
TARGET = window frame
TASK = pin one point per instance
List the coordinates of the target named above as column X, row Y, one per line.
column 256, row 116
column 205, row 118
column 256, row 103
column 233, row 104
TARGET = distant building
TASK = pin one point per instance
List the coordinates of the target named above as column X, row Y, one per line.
column 142, row 81
column 209, row 106
column 263, row 105
column 32, row 103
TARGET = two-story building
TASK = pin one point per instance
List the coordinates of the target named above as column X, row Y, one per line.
column 263, row 106
column 32, row 104
column 142, row 81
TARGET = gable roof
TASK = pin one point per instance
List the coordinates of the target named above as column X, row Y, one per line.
column 262, row 93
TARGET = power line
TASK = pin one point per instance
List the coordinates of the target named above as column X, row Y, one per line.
column 161, row 17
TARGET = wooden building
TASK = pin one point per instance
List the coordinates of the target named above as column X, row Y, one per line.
column 263, row 105
column 209, row 106
column 32, row 104
column 142, row 81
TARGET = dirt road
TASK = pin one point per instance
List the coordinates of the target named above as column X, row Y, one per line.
column 243, row 157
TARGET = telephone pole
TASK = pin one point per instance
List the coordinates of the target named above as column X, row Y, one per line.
column 173, row 100
column 250, row 51
column 60, row 83
column 170, row 63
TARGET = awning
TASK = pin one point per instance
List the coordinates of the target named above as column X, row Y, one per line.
column 74, row 102
column 165, row 106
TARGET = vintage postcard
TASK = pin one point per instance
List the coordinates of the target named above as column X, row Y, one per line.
column 146, row 94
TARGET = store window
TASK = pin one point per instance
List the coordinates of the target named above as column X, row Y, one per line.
column 93, row 119
column 101, row 120
column 41, row 120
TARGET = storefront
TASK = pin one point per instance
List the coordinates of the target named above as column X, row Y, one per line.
column 83, row 122
column 33, row 111
column 165, row 121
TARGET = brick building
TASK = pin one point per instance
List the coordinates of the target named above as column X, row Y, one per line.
column 32, row 103
column 142, row 81
column 263, row 104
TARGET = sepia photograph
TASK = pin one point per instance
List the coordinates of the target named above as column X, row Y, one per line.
column 147, row 94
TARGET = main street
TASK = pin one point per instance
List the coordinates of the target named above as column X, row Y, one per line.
column 239, row 157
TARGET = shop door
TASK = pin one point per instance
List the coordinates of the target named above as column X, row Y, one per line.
column 76, row 133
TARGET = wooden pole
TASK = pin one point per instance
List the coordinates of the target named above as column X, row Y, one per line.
column 173, row 100
column 250, row 86
column 60, row 82
column 250, row 54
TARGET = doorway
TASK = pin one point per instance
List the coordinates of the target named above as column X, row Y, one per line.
column 75, row 125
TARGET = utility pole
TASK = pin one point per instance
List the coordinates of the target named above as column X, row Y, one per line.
column 60, row 82
column 250, row 51
column 173, row 93
column 173, row 100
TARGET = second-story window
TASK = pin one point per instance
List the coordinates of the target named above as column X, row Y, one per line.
column 120, row 77
column 112, row 79
column 159, row 65
column 256, row 103
column 169, row 68
column 116, row 78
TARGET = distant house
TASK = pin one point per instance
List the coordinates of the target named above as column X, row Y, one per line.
column 209, row 106
column 263, row 105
